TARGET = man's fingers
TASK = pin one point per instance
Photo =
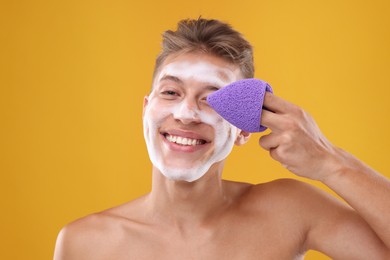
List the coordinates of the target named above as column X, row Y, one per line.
column 271, row 120
column 269, row 141
column 275, row 103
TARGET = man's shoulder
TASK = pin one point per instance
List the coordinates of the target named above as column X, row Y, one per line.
column 273, row 189
column 74, row 238
column 281, row 187
column 85, row 236
column 106, row 220
column 91, row 223
column 285, row 194
column 88, row 227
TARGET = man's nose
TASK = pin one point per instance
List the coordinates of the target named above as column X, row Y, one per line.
column 187, row 112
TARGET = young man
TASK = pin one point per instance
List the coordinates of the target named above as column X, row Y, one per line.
column 191, row 213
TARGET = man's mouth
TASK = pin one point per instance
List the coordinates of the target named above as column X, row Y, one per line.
column 184, row 140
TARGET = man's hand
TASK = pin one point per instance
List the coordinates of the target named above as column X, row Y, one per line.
column 295, row 140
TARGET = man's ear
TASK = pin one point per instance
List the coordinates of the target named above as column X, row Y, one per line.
column 146, row 101
column 242, row 137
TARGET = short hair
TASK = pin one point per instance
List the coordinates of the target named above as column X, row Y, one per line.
column 208, row 36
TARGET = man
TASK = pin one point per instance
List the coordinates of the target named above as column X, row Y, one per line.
column 191, row 213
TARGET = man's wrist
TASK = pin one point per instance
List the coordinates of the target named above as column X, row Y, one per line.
column 338, row 165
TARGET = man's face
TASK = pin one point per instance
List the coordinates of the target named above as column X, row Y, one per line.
column 183, row 134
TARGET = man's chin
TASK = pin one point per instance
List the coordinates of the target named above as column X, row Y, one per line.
column 187, row 175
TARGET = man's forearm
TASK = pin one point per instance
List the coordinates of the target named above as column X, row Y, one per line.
column 366, row 191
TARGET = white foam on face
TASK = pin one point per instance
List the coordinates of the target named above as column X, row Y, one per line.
column 187, row 168
column 201, row 71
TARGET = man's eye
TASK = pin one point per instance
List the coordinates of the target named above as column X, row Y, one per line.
column 169, row 93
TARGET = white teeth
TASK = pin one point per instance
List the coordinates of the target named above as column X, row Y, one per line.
column 183, row 140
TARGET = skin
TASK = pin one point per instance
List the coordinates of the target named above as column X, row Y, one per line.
column 211, row 218
column 170, row 100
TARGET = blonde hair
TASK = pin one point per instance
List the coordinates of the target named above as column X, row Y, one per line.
column 208, row 36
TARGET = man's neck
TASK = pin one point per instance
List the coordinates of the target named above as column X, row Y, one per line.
column 182, row 204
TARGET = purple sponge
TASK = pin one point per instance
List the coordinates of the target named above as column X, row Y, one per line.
column 241, row 103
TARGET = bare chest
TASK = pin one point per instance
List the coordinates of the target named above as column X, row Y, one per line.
column 237, row 241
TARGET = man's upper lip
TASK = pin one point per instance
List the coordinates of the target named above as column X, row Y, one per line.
column 185, row 134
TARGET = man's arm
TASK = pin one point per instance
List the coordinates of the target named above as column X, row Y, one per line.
column 298, row 144
column 365, row 190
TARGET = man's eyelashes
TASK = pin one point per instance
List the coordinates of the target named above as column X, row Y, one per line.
column 169, row 93
column 173, row 94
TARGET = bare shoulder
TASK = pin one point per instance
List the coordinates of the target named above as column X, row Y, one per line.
column 291, row 192
column 96, row 235
column 285, row 185
column 329, row 225
column 301, row 199
column 303, row 196
column 294, row 205
column 80, row 238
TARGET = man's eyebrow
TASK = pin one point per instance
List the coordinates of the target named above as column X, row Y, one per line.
column 179, row 81
column 172, row 78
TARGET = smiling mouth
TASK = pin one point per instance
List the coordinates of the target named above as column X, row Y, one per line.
column 183, row 140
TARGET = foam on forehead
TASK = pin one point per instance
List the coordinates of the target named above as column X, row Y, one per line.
column 202, row 71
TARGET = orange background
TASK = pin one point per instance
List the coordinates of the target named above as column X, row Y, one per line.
column 73, row 75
